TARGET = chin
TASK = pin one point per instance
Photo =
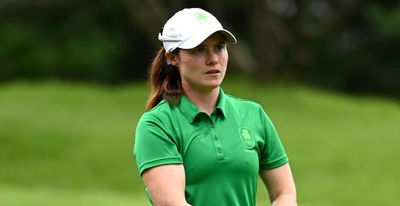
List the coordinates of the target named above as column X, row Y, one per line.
column 213, row 84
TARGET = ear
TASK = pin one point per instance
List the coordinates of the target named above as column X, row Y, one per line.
column 172, row 58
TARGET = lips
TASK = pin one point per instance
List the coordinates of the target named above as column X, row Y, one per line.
column 213, row 71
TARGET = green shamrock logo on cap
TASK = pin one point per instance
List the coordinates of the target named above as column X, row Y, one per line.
column 202, row 17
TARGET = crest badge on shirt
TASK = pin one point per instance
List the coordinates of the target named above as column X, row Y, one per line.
column 247, row 137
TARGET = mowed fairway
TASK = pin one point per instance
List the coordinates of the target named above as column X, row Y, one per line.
column 71, row 144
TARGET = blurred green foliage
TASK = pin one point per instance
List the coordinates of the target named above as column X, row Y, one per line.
column 66, row 40
column 348, row 45
column 363, row 56
column 71, row 144
column 386, row 21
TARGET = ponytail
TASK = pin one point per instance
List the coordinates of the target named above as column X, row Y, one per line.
column 165, row 81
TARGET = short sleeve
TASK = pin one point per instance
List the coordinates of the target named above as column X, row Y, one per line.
column 154, row 145
column 273, row 153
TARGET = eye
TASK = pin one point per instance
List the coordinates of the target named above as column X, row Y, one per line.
column 199, row 49
column 221, row 46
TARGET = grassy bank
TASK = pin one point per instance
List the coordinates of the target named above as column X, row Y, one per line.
column 72, row 143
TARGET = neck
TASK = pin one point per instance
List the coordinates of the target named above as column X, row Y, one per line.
column 206, row 101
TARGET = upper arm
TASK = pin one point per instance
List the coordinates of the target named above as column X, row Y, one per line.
column 159, row 161
column 272, row 153
column 155, row 145
column 279, row 182
column 274, row 167
column 166, row 184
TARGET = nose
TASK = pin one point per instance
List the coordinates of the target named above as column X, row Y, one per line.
column 212, row 57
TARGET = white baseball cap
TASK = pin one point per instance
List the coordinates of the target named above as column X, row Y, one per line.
column 187, row 28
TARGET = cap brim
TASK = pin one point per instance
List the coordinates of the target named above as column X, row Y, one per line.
column 196, row 40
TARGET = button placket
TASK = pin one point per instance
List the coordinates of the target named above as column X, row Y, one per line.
column 217, row 143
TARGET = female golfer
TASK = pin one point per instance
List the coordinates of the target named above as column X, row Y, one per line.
column 197, row 145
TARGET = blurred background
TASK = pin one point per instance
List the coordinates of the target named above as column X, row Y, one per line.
column 73, row 85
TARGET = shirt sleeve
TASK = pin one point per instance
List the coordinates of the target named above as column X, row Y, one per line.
column 273, row 153
column 154, row 145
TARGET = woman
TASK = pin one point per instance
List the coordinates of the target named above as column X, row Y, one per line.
column 196, row 145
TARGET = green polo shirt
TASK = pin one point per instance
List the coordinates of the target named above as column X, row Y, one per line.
column 221, row 153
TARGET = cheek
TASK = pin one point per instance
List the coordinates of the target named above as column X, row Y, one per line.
column 185, row 63
column 189, row 66
column 224, row 62
column 187, row 72
column 224, row 58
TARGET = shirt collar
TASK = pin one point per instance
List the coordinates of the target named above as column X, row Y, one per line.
column 222, row 103
column 191, row 111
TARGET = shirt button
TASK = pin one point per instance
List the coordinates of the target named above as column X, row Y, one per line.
column 219, row 150
column 215, row 138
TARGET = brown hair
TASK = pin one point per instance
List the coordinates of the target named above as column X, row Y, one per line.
column 165, row 81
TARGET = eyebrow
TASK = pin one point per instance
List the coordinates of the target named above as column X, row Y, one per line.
column 221, row 42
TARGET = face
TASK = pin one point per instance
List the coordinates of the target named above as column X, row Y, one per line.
column 203, row 67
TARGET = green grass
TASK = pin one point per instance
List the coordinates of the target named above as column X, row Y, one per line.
column 39, row 196
column 71, row 144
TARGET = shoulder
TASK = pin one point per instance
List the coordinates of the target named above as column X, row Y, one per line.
column 242, row 104
column 157, row 114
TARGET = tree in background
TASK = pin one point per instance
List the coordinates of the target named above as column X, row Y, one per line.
column 349, row 45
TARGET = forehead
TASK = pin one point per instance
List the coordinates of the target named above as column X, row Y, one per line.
column 213, row 39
